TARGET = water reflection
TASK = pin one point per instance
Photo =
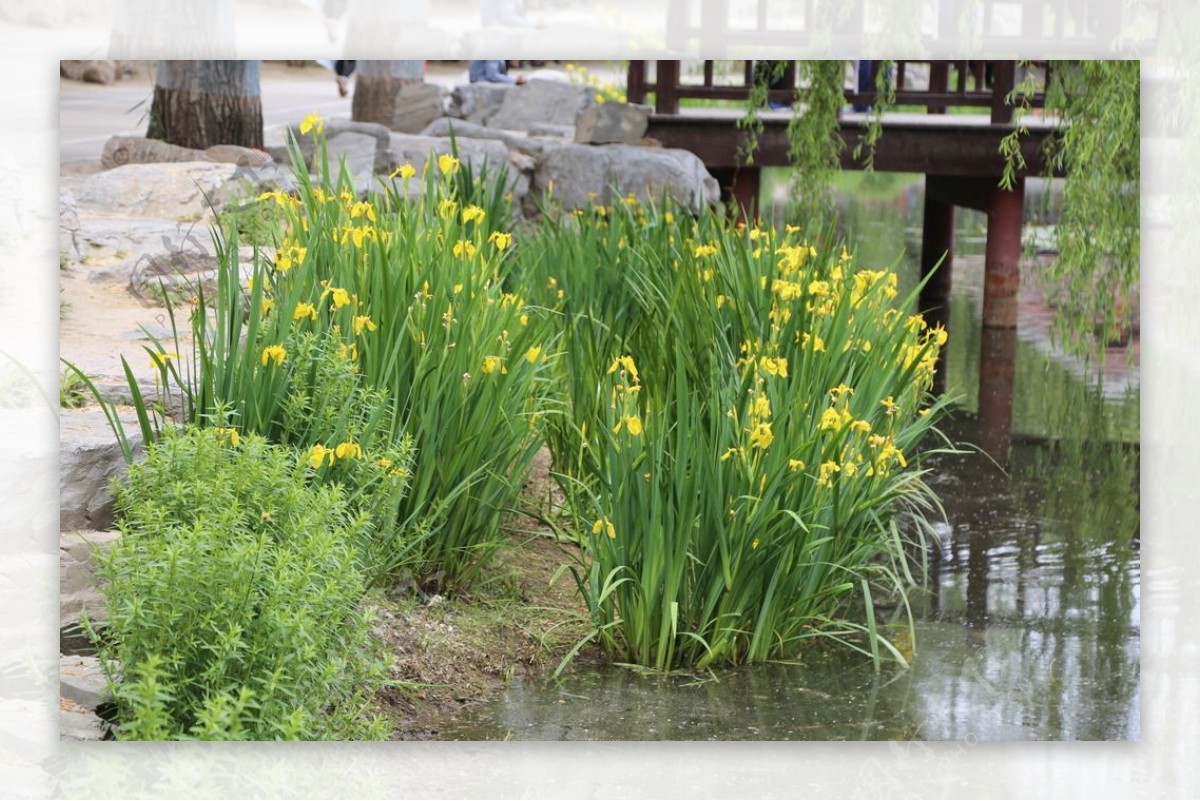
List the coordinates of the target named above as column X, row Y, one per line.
column 1029, row 628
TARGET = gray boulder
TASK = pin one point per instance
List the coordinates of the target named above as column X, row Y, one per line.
column 104, row 72
column 477, row 102
column 121, row 150
column 275, row 139
column 236, row 154
column 612, row 123
column 359, row 152
column 82, row 681
column 415, row 150
column 475, row 154
column 546, row 102
column 176, row 276
column 610, row 172
column 113, row 247
column 89, row 457
column 553, row 131
column 416, row 105
column 174, row 191
column 462, row 129
column 78, row 586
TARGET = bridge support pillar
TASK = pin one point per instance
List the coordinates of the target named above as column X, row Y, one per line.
column 740, row 185
column 1002, row 277
column 997, row 374
column 937, row 240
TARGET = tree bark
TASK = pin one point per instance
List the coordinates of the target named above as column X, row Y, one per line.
column 199, row 104
column 375, row 87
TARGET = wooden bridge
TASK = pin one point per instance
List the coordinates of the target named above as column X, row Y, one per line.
column 959, row 154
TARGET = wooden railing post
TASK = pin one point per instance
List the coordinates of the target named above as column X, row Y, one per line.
column 635, row 89
column 939, row 83
column 1004, row 79
column 666, row 84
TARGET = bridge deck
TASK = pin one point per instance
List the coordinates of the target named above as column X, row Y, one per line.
column 942, row 144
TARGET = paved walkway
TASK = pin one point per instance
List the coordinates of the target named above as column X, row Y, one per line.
column 90, row 113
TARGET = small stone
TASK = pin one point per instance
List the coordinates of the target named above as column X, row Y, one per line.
column 81, row 680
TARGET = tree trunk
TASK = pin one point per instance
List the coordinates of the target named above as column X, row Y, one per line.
column 376, row 85
column 199, row 104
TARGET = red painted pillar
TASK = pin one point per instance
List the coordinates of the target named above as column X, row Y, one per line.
column 1002, row 277
column 740, row 185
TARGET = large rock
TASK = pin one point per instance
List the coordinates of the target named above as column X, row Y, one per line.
column 477, row 102
column 415, row 150
column 112, row 248
column 236, row 154
column 89, row 458
column 248, row 183
column 275, row 139
column 81, row 679
column 176, row 276
column 553, row 131
column 78, row 585
column 121, row 150
column 462, row 129
column 83, row 688
column 105, row 72
column 417, row 104
column 77, row 724
column 358, row 151
column 476, row 154
column 169, row 191
column 610, row 172
column 612, row 123
column 546, row 102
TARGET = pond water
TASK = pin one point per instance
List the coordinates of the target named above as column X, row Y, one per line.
column 1028, row 628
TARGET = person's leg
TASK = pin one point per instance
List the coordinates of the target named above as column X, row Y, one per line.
column 864, row 84
column 343, row 69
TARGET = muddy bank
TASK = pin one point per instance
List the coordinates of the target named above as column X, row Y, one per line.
column 452, row 654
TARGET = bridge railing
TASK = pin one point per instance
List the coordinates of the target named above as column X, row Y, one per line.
column 981, row 84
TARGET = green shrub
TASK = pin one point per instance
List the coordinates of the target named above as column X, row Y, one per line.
column 253, row 221
column 72, row 388
column 234, row 597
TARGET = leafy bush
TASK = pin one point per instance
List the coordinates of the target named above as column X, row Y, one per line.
column 234, row 597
